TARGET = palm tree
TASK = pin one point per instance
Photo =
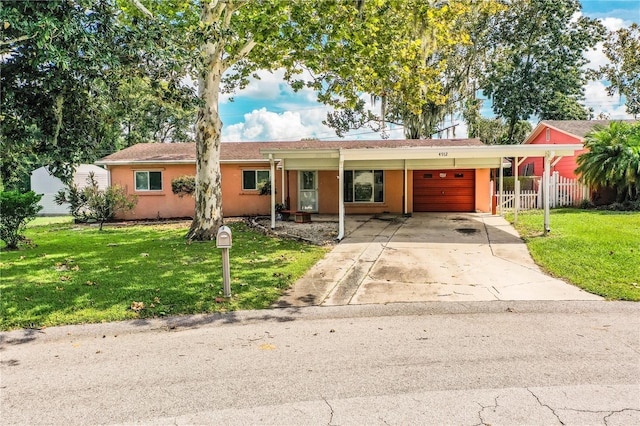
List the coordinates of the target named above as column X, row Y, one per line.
column 613, row 159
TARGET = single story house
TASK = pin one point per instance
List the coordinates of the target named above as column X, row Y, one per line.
column 43, row 182
column 325, row 177
column 559, row 132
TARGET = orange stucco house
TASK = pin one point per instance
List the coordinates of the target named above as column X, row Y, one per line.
column 559, row 132
column 325, row 177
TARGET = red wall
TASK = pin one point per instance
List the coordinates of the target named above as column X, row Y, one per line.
column 237, row 202
column 565, row 167
column 165, row 204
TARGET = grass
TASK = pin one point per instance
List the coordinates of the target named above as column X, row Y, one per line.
column 598, row 251
column 50, row 220
column 75, row 274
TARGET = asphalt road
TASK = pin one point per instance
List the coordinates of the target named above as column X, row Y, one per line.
column 435, row 363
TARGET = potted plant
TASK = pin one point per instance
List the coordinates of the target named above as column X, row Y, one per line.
column 282, row 211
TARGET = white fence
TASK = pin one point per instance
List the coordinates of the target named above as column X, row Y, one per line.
column 563, row 192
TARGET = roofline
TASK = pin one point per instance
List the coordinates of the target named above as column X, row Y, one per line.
column 545, row 123
column 146, row 162
column 441, row 152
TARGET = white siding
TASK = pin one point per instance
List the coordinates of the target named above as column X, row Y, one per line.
column 44, row 183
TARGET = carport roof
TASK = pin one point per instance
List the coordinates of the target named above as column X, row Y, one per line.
column 416, row 149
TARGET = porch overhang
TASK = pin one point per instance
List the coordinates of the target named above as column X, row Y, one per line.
column 392, row 155
column 412, row 158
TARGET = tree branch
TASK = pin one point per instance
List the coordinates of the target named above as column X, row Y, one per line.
column 142, row 8
column 244, row 51
column 16, row 40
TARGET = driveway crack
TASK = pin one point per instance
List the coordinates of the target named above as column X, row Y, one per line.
column 553, row 411
column 484, row 407
column 605, row 419
column 330, row 408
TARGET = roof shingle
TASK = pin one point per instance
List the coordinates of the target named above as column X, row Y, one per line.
column 578, row 128
column 247, row 151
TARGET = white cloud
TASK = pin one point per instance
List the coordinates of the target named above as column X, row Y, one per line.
column 614, row 24
column 596, row 57
column 269, row 86
column 263, row 125
column 597, row 98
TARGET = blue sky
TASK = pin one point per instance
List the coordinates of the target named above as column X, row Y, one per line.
column 269, row 110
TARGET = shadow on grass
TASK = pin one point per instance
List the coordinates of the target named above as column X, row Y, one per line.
column 82, row 276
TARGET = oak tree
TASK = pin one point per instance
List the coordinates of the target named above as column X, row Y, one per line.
column 536, row 62
column 623, row 70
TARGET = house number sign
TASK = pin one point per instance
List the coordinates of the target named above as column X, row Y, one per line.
column 443, row 154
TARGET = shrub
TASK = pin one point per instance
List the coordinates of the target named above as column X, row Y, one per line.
column 76, row 199
column 183, row 185
column 93, row 203
column 586, row 205
column 264, row 187
column 16, row 210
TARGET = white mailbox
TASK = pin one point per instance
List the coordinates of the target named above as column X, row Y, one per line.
column 223, row 240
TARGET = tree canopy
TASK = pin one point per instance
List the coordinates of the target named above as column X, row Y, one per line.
column 525, row 55
column 536, row 62
column 623, row 71
column 453, row 42
column 75, row 87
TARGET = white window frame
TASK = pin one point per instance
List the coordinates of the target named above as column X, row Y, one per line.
column 148, row 188
column 353, row 189
column 256, row 180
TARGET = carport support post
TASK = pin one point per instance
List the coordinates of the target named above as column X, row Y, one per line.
column 501, row 198
column 283, row 190
column 272, row 177
column 341, row 198
column 546, row 186
column 516, row 190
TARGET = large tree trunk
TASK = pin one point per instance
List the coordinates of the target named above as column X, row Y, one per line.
column 208, row 217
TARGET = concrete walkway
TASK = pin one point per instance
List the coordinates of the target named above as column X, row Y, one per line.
column 428, row 257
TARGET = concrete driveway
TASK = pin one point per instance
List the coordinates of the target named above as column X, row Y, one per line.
column 428, row 257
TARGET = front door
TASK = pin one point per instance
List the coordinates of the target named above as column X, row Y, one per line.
column 308, row 191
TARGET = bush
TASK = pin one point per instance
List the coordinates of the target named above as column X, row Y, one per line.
column 93, row 203
column 183, row 185
column 527, row 183
column 586, row 205
column 76, row 199
column 16, row 210
column 628, row 206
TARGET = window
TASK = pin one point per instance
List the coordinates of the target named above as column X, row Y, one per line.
column 363, row 186
column 254, row 179
column 148, row 181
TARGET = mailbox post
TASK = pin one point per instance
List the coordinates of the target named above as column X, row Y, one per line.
column 223, row 241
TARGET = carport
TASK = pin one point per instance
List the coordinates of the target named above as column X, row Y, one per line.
column 410, row 158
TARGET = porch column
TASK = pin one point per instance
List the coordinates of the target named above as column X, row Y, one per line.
column 546, row 180
column 406, row 190
column 272, row 177
column 501, row 197
column 341, row 198
column 284, row 187
column 516, row 189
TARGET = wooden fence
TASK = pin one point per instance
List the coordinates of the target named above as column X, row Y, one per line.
column 563, row 192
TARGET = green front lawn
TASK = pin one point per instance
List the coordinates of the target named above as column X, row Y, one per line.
column 76, row 274
column 598, row 251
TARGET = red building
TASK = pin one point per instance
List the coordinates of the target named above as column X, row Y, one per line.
column 559, row 132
